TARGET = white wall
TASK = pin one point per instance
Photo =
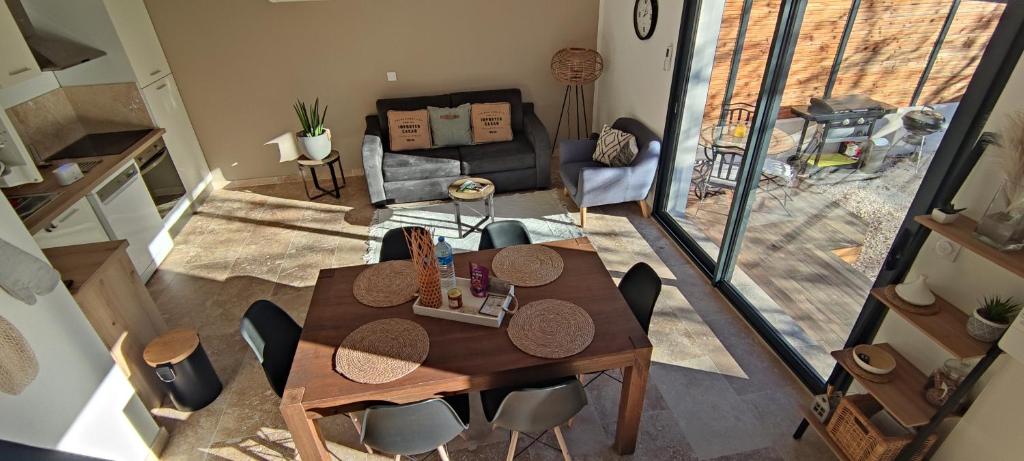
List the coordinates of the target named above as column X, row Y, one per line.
column 991, row 428
column 80, row 402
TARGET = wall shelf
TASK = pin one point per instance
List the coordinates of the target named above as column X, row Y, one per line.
column 947, row 327
column 903, row 396
column 961, row 231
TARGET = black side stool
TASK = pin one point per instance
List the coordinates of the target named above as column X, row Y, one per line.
column 329, row 161
column 184, row 369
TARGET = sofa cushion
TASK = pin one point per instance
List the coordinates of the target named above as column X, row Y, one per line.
column 491, row 122
column 410, row 129
column 416, row 103
column 420, row 164
column 512, row 96
column 450, row 126
column 499, row 156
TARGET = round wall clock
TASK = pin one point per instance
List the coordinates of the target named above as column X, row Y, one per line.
column 645, row 17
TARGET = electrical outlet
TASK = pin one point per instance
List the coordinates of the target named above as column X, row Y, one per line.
column 947, row 249
column 392, row 76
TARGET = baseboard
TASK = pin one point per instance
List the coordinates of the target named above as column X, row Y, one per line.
column 270, row 180
column 159, row 443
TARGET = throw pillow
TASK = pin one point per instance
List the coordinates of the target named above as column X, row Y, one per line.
column 615, row 147
column 409, row 129
column 450, row 126
column 492, row 122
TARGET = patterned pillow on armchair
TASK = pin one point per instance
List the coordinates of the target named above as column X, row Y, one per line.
column 615, row 147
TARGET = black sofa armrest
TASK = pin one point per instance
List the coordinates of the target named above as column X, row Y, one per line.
column 539, row 139
column 373, row 158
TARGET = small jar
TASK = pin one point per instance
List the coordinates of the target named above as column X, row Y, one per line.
column 455, row 298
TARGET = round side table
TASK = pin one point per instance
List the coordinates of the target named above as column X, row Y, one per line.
column 486, row 194
column 332, row 159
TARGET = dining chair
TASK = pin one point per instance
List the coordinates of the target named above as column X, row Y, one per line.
column 535, row 408
column 273, row 336
column 413, row 428
column 738, row 112
column 393, row 246
column 501, row 234
column 641, row 287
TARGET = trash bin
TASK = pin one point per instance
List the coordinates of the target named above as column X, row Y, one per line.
column 184, row 369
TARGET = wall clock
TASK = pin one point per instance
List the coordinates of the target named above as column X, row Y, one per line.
column 645, row 17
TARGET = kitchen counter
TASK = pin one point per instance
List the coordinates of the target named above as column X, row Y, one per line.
column 68, row 195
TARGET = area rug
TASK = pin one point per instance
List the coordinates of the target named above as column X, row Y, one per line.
column 543, row 214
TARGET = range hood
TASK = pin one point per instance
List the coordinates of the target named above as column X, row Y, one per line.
column 52, row 51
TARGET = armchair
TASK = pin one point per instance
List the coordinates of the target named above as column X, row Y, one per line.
column 590, row 183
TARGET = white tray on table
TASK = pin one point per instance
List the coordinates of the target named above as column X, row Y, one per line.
column 470, row 311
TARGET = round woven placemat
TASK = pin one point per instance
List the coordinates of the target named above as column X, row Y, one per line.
column 528, row 265
column 551, row 329
column 386, row 284
column 904, row 306
column 382, row 351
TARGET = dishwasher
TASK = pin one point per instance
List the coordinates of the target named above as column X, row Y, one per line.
column 127, row 212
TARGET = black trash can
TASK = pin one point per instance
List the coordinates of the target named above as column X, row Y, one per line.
column 184, row 369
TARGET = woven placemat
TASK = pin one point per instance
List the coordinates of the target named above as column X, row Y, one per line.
column 386, row 284
column 18, row 364
column 904, row 306
column 382, row 351
column 551, row 329
column 528, row 265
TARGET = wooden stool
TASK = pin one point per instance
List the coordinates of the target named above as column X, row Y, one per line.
column 334, row 158
column 183, row 367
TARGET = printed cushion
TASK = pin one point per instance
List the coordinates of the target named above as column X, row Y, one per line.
column 449, row 126
column 409, row 129
column 492, row 122
column 615, row 147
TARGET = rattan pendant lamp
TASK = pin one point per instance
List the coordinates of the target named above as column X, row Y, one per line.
column 575, row 67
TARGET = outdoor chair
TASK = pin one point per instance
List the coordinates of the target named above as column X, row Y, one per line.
column 720, row 168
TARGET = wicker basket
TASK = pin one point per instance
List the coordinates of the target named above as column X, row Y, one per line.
column 854, row 434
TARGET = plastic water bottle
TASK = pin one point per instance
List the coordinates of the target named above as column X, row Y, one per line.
column 446, row 264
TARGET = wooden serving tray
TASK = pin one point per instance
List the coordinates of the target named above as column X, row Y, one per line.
column 470, row 311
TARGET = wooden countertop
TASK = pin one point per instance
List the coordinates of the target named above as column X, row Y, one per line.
column 70, row 194
column 79, row 262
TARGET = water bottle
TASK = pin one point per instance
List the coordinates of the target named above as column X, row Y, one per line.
column 446, row 264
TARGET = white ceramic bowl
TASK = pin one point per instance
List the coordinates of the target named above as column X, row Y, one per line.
column 876, row 360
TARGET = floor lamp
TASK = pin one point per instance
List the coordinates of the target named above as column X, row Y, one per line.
column 575, row 67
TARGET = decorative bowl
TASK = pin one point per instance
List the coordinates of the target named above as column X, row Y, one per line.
column 873, row 359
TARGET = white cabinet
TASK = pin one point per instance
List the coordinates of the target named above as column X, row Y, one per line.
column 141, row 45
column 16, row 61
column 168, row 111
column 76, row 225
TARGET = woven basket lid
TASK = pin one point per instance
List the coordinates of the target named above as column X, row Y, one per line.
column 576, row 66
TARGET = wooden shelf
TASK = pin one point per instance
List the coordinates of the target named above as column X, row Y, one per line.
column 962, row 231
column 813, row 422
column 903, row 396
column 947, row 327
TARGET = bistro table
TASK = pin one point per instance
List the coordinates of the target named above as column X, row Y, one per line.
column 464, row 357
column 722, row 136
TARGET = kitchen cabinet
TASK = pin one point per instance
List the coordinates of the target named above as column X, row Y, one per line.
column 16, row 61
column 141, row 44
column 168, row 111
column 76, row 225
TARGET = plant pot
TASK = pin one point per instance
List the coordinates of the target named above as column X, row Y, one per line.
column 942, row 217
column 984, row 329
column 316, row 147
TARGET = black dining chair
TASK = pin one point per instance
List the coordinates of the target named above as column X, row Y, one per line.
column 501, row 234
column 641, row 287
column 273, row 336
column 393, row 246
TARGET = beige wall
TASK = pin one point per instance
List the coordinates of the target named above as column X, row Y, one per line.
column 242, row 63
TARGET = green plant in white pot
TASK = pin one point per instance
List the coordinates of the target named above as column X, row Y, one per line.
column 993, row 317
column 315, row 137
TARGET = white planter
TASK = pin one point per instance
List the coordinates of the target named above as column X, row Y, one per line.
column 984, row 329
column 943, row 218
column 316, row 147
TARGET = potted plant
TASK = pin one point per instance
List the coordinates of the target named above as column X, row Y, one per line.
column 993, row 317
column 315, row 138
column 946, row 214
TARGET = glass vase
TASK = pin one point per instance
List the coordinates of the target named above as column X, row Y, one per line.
column 1002, row 225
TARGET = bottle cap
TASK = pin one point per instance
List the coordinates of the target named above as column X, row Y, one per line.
column 440, row 238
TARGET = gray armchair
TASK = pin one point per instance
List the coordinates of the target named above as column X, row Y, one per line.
column 590, row 183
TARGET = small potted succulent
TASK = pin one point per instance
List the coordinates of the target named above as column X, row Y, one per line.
column 993, row 317
column 314, row 136
column 946, row 214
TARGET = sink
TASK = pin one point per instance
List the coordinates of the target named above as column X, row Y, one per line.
column 25, row 205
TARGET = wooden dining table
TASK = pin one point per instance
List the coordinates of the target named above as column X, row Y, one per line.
column 464, row 357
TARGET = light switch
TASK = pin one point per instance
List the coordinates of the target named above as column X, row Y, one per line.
column 392, row 76
column 667, row 65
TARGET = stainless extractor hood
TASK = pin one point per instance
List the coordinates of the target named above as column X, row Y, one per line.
column 51, row 51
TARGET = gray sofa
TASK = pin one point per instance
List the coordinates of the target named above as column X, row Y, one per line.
column 410, row 176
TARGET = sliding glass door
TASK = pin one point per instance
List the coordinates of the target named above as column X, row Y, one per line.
column 796, row 150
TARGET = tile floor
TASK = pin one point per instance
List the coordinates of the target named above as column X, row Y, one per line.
column 717, row 392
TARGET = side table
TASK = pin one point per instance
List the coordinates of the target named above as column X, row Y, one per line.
column 332, row 159
column 486, row 194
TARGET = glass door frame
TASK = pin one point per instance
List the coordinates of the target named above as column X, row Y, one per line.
column 954, row 159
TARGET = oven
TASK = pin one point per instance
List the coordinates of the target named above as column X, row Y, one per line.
column 161, row 177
